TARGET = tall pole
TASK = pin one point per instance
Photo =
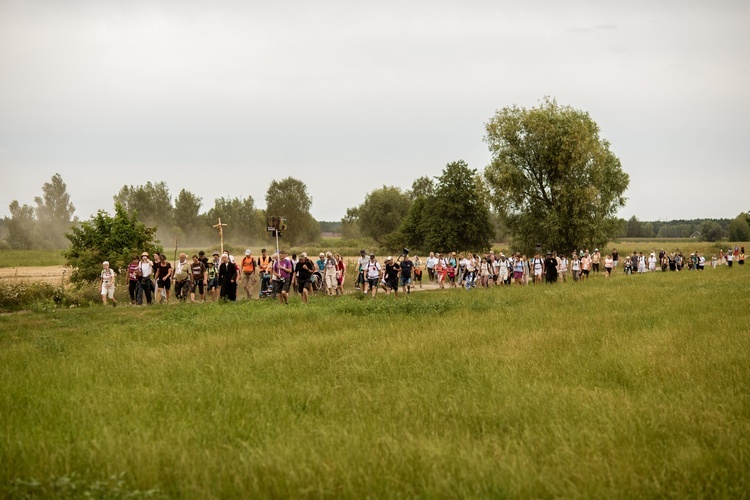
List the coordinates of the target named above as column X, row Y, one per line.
column 220, row 226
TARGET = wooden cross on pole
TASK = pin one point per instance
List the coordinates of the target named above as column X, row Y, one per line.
column 220, row 226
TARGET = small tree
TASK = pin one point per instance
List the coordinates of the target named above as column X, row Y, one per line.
column 637, row 229
column 22, row 226
column 152, row 202
column 115, row 239
column 243, row 222
column 382, row 212
column 187, row 219
column 422, row 187
column 350, row 223
column 457, row 216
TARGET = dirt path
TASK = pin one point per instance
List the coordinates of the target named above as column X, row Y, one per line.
column 50, row 274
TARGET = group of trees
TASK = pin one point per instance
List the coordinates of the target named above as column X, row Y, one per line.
column 46, row 225
column 185, row 222
column 737, row 229
column 450, row 213
column 553, row 182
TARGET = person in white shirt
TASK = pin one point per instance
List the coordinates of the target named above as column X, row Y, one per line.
column 107, row 278
column 562, row 265
column 361, row 269
column 145, row 267
column 430, row 264
column 373, row 272
column 609, row 263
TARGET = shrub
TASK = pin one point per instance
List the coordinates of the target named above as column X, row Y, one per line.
column 16, row 296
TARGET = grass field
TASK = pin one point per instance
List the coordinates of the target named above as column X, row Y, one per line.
column 624, row 387
column 31, row 258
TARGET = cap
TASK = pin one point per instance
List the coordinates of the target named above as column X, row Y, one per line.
column 105, row 263
column 363, row 251
column 216, row 253
column 389, row 258
column 321, row 254
column 303, row 254
column 144, row 254
column 248, row 251
column 372, row 255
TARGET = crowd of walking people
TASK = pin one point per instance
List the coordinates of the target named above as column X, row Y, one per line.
column 277, row 275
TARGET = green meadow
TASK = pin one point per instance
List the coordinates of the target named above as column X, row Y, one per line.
column 31, row 258
column 614, row 388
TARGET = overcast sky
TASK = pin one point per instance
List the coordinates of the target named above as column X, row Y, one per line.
column 222, row 97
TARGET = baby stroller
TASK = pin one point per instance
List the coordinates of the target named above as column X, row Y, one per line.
column 316, row 281
column 266, row 286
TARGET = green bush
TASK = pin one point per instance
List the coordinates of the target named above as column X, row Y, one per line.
column 39, row 296
column 115, row 239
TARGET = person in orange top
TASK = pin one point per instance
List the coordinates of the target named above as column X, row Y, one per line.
column 248, row 273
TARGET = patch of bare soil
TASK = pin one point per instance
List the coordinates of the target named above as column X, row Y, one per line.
column 50, row 274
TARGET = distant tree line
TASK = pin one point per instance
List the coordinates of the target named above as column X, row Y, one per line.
column 42, row 225
column 737, row 229
column 552, row 182
column 49, row 223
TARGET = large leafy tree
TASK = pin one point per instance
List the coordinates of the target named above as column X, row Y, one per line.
column 554, row 181
column 115, row 239
column 289, row 198
column 382, row 212
column 151, row 202
column 54, row 212
column 457, row 216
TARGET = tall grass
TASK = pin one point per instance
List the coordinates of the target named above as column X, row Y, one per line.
column 624, row 387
